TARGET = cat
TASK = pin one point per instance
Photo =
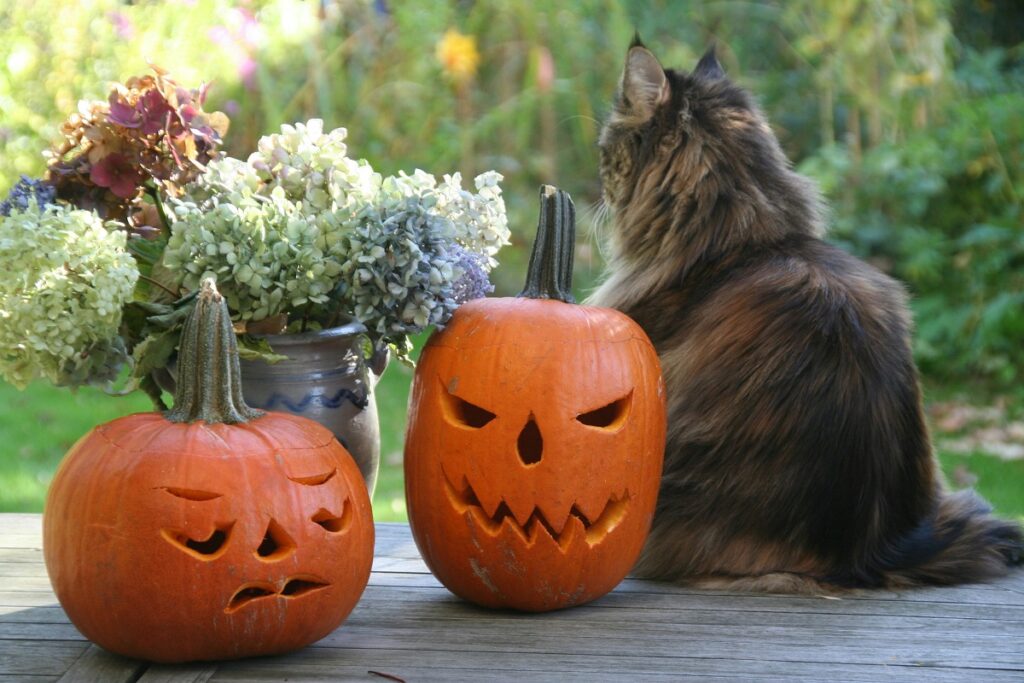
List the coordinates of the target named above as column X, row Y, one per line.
column 797, row 456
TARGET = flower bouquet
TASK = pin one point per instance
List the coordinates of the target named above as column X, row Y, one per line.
column 138, row 206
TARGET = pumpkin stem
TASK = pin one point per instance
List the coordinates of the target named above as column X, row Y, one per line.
column 209, row 384
column 549, row 275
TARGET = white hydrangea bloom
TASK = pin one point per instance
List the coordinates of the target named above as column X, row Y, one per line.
column 300, row 224
column 60, row 308
column 314, row 168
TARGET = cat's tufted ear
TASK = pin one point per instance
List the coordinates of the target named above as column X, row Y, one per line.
column 644, row 85
column 708, row 66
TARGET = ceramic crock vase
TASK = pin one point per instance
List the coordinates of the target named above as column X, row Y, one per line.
column 327, row 378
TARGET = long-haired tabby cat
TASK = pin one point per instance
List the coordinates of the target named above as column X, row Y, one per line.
column 798, row 457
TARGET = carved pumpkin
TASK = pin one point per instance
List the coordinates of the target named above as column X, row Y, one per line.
column 213, row 531
column 535, row 440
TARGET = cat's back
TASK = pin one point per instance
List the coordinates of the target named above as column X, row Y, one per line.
column 793, row 366
column 803, row 314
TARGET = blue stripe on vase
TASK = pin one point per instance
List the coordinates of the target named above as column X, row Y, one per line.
column 358, row 400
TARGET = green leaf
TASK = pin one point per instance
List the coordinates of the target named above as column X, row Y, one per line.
column 146, row 252
column 154, row 352
column 257, row 348
column 179, row 310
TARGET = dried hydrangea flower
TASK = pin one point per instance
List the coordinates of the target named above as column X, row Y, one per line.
column 61, row 309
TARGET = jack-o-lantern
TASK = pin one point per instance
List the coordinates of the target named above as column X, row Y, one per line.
column 535, row 440
column 213, row 531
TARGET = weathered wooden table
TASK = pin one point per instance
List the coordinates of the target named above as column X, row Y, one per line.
column 408, row 627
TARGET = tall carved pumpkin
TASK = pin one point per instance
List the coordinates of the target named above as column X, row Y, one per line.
column 535, row 439
column 213, row 531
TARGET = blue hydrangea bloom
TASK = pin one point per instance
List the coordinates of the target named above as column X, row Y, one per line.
column 24, row 191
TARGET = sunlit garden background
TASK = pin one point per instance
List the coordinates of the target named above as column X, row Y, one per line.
column 908, row 113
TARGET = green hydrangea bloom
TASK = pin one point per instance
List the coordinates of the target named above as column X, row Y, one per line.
column 301, row 226
column 61, row 300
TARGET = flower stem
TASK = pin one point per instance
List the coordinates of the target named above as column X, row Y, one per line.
column 157, row 284
column 165, row 224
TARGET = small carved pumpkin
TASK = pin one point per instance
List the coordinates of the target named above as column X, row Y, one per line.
column 535, row 440
column 213, row 531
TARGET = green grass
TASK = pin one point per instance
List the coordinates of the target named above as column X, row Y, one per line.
column 37, row 426
column 41, row 423
column 1001, row 482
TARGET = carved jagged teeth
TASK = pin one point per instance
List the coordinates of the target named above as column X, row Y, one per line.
column 534, row 524
column 491, row 505
column 609, row 519
column 511, row 526
column 590, row 510
column 554, row 516
column 573, row 529
column 461, row 497
column 489, row 525
column 522, row 512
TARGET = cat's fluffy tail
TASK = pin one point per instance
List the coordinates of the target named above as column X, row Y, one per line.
column 961, row 543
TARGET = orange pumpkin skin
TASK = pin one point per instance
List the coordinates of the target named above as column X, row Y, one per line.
column 133, row 495
column 497, row 524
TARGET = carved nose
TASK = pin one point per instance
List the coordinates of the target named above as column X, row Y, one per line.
column 530, row 445
column 276, row 545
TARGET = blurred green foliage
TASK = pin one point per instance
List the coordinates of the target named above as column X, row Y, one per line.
column 906, row 111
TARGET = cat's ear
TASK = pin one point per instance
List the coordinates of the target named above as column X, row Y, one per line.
column 708, row 66
column 644, row 85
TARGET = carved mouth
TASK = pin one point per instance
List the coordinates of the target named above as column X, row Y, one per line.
column 293, row 587
column 575, row 525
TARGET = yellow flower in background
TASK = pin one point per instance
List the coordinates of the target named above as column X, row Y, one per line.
column 458, row 55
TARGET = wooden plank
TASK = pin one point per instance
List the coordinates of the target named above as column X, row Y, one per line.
column 27, row 598
column 910, row 646
column 50, row 614
column 96, row 664
column 27, row 583
column 180, row 673
column 21, row 530
column 330, row 665
column 632, row 593
column 39, row 631
column 20, row 555
column 21, row 541
column 40, row 659
column 408, row 625
column 447, row 608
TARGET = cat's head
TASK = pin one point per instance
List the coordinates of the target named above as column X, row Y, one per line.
column 694, row 143
column 667, row 121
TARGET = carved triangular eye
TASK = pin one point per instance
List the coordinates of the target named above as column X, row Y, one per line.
column 609, row 416
column 464, row 413
column 469, row 414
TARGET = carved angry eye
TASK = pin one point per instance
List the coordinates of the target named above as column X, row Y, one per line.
column 609, row 416
column 190, row 494
column 315, row 479
column 335, row 524
column 206, row 549
column 461, row 412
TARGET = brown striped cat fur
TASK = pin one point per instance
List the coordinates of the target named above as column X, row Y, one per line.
column 798, row 458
